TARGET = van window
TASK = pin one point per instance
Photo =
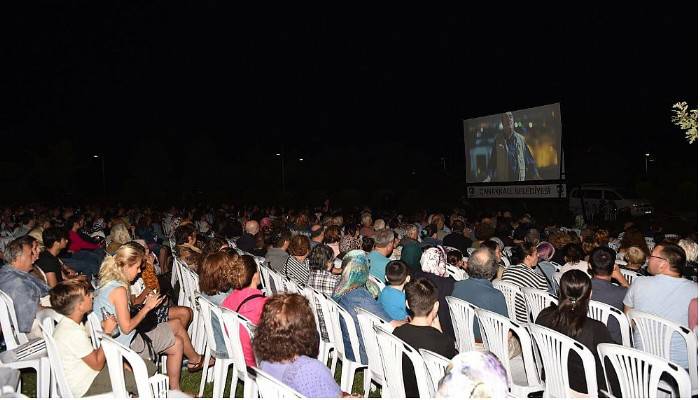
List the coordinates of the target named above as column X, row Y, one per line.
column 592, row 194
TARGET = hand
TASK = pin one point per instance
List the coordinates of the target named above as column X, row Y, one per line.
column 617, row 275
column 152, row 301
column 109, row 324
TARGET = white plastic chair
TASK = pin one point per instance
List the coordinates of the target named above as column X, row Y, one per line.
column 392, row 350
column 220, row 369
column 654, row 336
column 494, row 333
column 336, row 313
column 190, row 283
column 36, row 354
column 277, row 281
column 506, row 261
column 367, row 321
column 234, row 322
column 59, row 385
column 629, row 275
column 554, row 350
column 602, row 312
column 326, row 349
column 380, row 284
column 640, row 372
column 265, row 280
column 147, row 387
column 537, row 300
column 271, row 388
column 436, row 365
column 511, row 292
column 95, row 327
column 463, row 314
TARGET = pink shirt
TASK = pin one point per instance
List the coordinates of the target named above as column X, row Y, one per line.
column 77, row 243
column 251, row 309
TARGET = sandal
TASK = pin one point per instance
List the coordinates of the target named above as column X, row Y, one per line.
column 196, row 367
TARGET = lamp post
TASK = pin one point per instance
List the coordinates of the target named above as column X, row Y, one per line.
column 646, row 164
column 281, row 156
column 102, row 161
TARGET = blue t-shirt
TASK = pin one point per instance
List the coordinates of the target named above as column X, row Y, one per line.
column 394, row 303
column 482, row 294
column 377, row 265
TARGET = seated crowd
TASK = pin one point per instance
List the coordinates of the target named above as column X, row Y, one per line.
column 117, row 264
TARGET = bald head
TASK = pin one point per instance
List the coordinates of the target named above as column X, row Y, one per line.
column 482, row 263
column 252, row 228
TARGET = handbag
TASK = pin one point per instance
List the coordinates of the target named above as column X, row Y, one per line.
column 149, row 322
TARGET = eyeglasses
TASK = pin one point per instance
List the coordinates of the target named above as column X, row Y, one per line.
column 660, row 258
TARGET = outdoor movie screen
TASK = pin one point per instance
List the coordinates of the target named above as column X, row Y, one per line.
column 514, row 146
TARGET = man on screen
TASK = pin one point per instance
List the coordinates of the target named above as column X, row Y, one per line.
column 511, row 159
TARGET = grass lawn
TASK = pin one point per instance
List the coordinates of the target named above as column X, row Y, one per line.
column 190, row 384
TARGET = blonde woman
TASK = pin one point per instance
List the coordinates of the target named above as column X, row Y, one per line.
column 118, row 235
column 112, row 298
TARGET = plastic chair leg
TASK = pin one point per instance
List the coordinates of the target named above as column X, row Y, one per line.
column 367, row 380
column 205, row 374
column 43, row 378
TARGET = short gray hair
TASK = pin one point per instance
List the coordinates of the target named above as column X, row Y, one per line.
column 383, row 237
column 14, row 249
column 482, row 264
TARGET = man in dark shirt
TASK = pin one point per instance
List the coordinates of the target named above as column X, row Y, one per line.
column 602, row 262
column 247, row 241
column 55, row 240
column 423, row 331
column 457, row 239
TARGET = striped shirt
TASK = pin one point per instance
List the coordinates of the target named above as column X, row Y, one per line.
column 523, row 276
column 297, row 270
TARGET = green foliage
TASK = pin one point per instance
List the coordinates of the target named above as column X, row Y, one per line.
column 686, row 120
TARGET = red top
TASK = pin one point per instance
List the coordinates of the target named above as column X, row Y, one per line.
column 251, row 309
column 77, row 243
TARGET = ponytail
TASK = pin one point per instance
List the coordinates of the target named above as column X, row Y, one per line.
column 574, row 295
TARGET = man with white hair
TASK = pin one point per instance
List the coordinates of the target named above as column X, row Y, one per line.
column 379, row 257
column 247, row 241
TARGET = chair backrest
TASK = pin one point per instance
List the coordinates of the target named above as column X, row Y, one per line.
column 641, row 371
column 234, row 322
column 380, row 283
column 292, row 286
column 8, row 323
column 392, row 350
column 554, row 348
column 510, row 292
column 48, row 318
column 494, row 333
column 278, row 281
column 537, row 300
column 654, row 336
column 60, row 385
column 337, row 313
column 367, row 321
column 324, row 315
column 602, row 312
column 456, row 273
column 463, row 314
column 436, row 365
column 116, row 354
column 95, row 327
column 629, row 275
column 205, row 308
column 265, row 279
column 271, row 388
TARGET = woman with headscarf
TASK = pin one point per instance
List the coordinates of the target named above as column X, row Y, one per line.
column 433, row 263
column 354, row 290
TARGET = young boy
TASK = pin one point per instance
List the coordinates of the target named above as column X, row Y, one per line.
column 392, row 298
column 84, row 367
column 423, row 331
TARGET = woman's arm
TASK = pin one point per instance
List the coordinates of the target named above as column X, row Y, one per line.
column 121, row 306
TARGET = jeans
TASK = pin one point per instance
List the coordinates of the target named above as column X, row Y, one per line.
column 86, row 262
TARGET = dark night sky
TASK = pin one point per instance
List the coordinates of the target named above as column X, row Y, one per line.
column 203, row 91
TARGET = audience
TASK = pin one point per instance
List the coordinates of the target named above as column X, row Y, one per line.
column 297, row 266
column 574, row 257
column 433, row 264
column 247, row 241
column 55, row 241
column 279, row 239
column 185, row 246
column 323, row 277
column 457, row 239
column 286, row 342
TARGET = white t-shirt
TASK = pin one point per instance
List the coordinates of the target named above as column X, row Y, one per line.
column 73, row 343
column 667, row 297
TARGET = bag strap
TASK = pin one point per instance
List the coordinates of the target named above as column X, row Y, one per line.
column 251, row 297
column 549, row 282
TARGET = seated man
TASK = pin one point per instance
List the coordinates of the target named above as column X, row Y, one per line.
column 666, row 294
column 478, row 289
column 423, row 331
column 602, row 262
column 24, row 288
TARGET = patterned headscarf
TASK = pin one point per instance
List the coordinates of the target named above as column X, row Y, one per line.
column 348, row 243
column 434, row 260
column 355, row 274
column 474, row 374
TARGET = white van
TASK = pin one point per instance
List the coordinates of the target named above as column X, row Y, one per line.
column 596, row 196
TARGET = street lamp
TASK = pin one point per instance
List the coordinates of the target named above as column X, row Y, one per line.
column 104, row 184
column 282, row 162
column 646, row 164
